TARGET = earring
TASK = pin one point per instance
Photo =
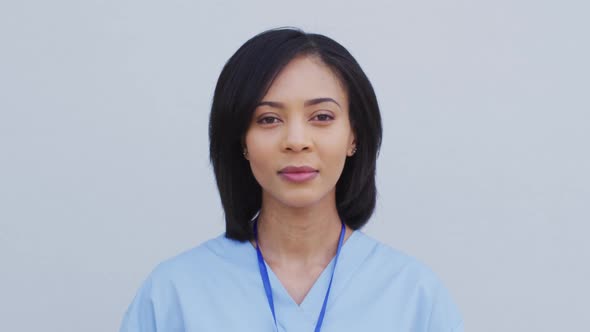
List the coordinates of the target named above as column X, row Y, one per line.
column 245, row 153
column 353, row 151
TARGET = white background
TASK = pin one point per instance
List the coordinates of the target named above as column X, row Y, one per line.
column 483, row 173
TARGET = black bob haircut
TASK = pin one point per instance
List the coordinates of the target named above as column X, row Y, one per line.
column 244, row 81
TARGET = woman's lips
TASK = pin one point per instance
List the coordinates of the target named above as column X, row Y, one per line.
column 298, row 173
column 298, row 176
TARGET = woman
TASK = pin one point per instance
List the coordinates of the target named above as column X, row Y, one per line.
column 294, row 135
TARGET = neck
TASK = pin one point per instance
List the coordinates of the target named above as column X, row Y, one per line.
column 300, row 237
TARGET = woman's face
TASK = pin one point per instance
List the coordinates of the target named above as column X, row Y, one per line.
column 300, row 135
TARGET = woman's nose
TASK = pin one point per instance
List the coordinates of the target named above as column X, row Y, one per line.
column 296, row 137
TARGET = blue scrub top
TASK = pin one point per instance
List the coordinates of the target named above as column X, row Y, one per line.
column 217, row 287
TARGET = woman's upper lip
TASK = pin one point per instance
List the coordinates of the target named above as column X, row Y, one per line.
column 298, row 169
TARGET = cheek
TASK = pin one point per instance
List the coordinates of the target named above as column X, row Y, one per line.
column 334, row 157
column 259, row 145
column 336, row 142
column 260, row 150
column 333, row 152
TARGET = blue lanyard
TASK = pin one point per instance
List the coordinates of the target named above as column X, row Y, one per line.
column 268, row 289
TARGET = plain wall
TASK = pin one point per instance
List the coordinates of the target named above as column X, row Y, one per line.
column 483, row 173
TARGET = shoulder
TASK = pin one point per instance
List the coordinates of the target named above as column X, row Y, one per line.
column 194, row 269
column 397, row 270
column 199, row 261
column 395, row 262
column 185, row 278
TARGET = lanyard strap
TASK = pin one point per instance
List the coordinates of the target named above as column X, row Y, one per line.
column 268, row 288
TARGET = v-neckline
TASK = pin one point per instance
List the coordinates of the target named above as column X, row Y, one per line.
column 353, row 255
column 313, row 300
column 275, row 280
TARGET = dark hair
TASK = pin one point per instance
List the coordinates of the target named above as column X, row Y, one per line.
column 243, row 82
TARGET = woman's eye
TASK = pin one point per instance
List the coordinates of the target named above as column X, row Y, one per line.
column 268, row 120
column 324, row 117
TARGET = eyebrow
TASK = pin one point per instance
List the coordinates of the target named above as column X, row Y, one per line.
column 307, row 103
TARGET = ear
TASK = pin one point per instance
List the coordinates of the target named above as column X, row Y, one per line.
column 351, row 145
column 244, row 147
column 245, row 152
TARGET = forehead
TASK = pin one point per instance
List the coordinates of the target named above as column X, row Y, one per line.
column 306, row 77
